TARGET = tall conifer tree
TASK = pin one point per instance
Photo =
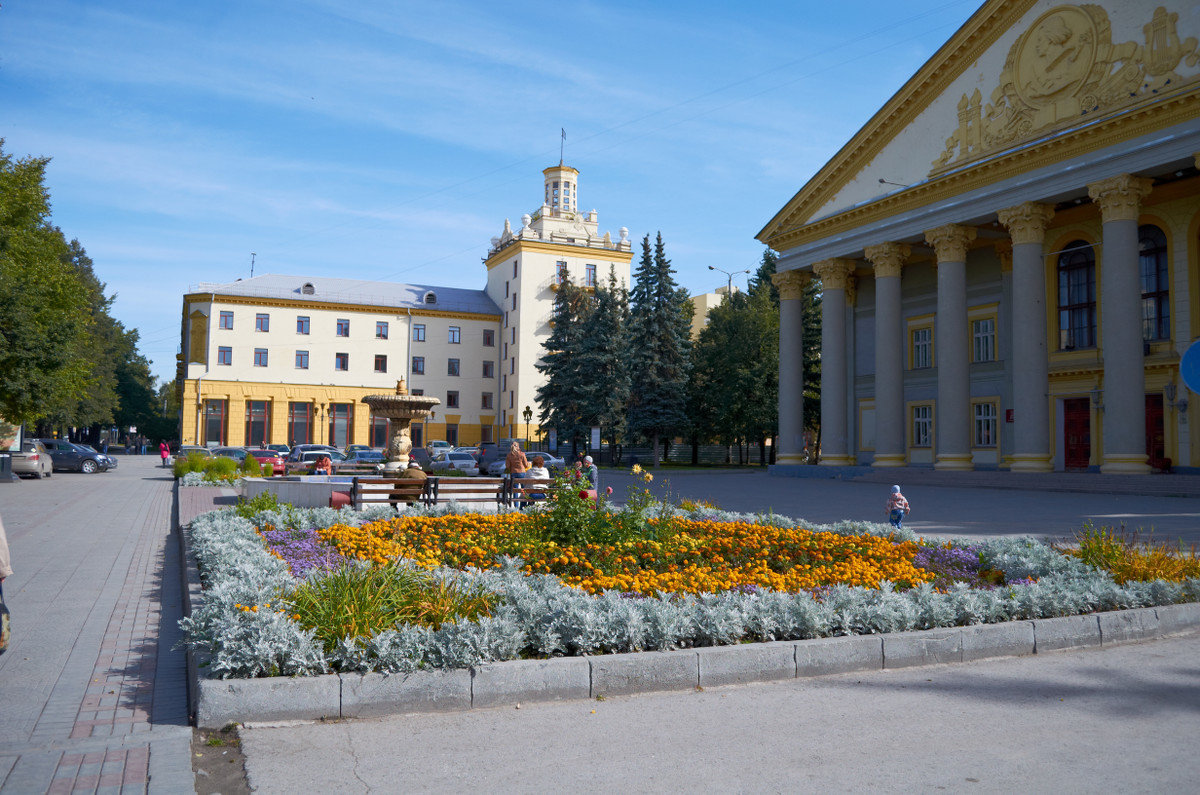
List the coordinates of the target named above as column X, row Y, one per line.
column 602, row 360
column 659, row 352
column 563, row 399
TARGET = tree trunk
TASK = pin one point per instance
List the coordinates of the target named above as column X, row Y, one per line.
column 762, row 450
column 654, row 449
column 815, row 455
column 774, row 447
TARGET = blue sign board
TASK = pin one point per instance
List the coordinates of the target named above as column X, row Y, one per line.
column 1189, row 367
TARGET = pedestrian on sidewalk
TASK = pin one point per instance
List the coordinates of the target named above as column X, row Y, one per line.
column 897, row 508
column 591, row 471
column 164, row 451
column 5, row 571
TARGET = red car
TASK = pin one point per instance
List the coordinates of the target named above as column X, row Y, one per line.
column 269, row 457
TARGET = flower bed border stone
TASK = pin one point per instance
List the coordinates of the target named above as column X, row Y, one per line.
column 214, row 703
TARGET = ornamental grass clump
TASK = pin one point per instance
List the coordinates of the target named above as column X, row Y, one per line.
column 358, row 600
column 1129, row 559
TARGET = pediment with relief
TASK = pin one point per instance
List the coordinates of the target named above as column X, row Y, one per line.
column 1061, row 70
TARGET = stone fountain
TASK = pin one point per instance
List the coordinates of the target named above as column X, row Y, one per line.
column 401, row 409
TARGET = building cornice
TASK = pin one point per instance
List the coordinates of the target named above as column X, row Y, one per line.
column 519, row 246
column 244, row 300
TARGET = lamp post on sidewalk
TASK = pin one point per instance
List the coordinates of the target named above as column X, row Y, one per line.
column 528, row 415
column 729, row 281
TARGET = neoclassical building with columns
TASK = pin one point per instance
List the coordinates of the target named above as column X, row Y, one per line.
column 1009, row 252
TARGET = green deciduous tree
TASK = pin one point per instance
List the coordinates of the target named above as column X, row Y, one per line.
column 45, row 319
column 659, row 348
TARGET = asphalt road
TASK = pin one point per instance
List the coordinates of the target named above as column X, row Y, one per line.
column 936, row 510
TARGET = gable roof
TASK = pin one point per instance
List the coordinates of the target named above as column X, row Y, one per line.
column 979, row 32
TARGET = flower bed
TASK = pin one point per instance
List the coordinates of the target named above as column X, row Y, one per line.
column 248, row 628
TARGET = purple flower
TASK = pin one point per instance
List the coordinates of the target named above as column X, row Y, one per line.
column 302, row 550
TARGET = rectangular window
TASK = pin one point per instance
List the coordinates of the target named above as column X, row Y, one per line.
column 262, row 322
column 260, row 357
column 489, row 338
column 512, row 365
column 485, row 434
column 343, row 327
column 452, row 367
column 983, row 338
column 418, row 433
column 589, row 278
column 418, row 392
column 503, row 383
column 514, row 269
column 418, row 332
column 455, row 335
column 226, row 320
column 506, row 289
column 506, row 350
column 224, row 355
column 299, row 423
column 301, row 360
column 451, row 401
column 418, row 367
column 506, row 318
column 341, row 361
column 380, row 432
column 922, row 426
column 486, row 403
column 452, row 434
column 985, row 424
column 514, row 335
column 258, row 422
column 380, row 363
column 341, row 424
column 301, row 324
column 510, row 399
column 381, row 330
column 922, row 348
column 214, row 422
column 560, row 272
column 489, row 369
column 514, row 302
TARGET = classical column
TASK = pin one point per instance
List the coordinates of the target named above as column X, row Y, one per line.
column 950, row 244
column 791, row 365
column 835, row 276
column 1026, row 224
column 888, row 260
column 1121, row 330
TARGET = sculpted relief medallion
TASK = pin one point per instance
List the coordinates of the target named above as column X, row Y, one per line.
column 1062, row 70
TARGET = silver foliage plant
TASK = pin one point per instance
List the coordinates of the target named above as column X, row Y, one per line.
column 537, row 616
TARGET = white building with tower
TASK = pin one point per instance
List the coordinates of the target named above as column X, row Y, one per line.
column 288, row 359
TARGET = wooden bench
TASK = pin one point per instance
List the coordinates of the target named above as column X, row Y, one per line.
column 392, row 491
column 452, row 489
column 529, row 490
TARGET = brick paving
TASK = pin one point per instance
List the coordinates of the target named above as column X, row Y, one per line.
column 94, row 697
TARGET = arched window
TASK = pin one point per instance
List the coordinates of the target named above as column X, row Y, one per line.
column 1076, row 296
column 308, row 289
column 430, row 297
column 1152, row 264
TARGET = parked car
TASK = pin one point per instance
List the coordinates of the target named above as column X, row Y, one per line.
column 311, row 456
column 364, row 456
column 496, row 468
column 106, row 461
column 553, row 463
column 349, row 451
column 437, row 445
column 76, row 457
column 454, row 463
column 236, row 453
column 300, row 449
column 471, row 451
column 269, row 458
column 33, row 459
column 282, row 449
column 421, row 456
column 192, row 449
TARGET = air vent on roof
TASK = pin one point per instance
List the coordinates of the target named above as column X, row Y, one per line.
column 430, row 297
column 308, row 289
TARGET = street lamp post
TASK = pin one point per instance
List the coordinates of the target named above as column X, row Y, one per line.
column 729, row 283
column 528, row 415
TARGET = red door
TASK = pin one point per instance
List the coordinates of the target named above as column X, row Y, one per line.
column 1077, row 433
column 1156, row 449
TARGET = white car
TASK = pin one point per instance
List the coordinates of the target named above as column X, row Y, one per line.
column 451, row 462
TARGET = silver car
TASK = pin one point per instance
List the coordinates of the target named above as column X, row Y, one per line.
column 33, row 459
column 455, row 463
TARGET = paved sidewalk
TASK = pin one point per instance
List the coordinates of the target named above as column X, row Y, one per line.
column 93, row 697
column 1119, row 719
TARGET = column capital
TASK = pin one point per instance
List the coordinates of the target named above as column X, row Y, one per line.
column 834, row 274
column 1004, row 252
column 1026, row 223
column 950, row 242
column 1120, row 197
column 791, row 284
column 888, row 258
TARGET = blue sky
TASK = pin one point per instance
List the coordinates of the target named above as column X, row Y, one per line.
column 390, row 140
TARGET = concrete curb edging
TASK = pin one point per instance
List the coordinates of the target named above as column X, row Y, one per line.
column 224, row 701
column 215, row 703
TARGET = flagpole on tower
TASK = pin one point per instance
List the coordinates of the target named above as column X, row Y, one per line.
column 562, row 144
